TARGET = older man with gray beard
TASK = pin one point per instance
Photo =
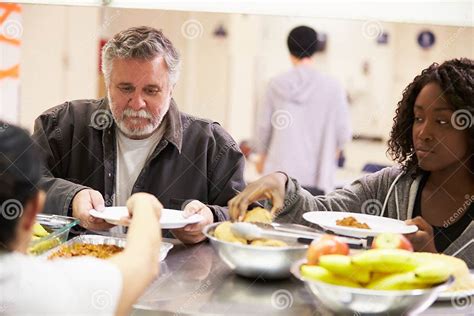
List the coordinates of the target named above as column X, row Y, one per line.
column 99, row 152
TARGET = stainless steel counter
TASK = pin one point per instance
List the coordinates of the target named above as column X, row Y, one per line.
column 194, row 281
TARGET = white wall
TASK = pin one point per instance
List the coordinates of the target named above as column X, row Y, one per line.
column 58, row 57
column 224, row 79
column 243, row 70
column 451, row 42
column 203, row 87
column 208, row 83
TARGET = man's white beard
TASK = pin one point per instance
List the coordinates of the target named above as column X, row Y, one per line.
column 138, row 133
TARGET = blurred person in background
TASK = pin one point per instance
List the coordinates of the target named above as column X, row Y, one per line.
column 304, row 121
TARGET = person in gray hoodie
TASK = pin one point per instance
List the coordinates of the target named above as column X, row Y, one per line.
column 432, row 140
column 307, row 111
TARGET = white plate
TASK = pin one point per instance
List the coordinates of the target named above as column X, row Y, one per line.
column 458, row 295
column 170, row 219
column 164, row 249
column 377, row 224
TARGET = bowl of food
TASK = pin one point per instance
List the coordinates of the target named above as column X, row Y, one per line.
column 50, row 231
column 99, row 246
column 391, row 281
column 267, row 258
column 354, row 301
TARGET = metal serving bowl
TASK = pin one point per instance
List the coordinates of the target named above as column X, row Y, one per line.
column 355, row 301
column 257, row 261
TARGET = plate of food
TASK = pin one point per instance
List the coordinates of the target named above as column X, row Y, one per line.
column 358, row 225
column 170, row 219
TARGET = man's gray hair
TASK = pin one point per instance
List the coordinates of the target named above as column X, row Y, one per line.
column 141, row 42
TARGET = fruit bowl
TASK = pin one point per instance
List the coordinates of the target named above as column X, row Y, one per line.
column 256, row 261
column 349, row 300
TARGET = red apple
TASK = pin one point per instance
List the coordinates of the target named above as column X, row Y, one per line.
column 326, row 245
column 391, row 241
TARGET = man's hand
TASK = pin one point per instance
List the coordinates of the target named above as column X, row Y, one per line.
column 423, row 239
column 82, row 203
column 192, row 233
column 270, row 187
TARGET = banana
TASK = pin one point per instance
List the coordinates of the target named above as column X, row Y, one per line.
column 318, row 273
column 432, row 273
column 374, row 276
column 342, row 265
column 386, row 260
column 43, row 246
column 39, row 230
column 396, row 281
column 422, row 277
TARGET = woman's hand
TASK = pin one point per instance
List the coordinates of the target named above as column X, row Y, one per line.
column 270, row 187
column 139, row 201
column 423, row 239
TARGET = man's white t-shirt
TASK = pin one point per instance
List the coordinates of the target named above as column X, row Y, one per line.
column 131, row 157
column 75, row 286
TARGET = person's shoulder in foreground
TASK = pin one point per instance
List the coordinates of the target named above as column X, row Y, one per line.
column 35, row 286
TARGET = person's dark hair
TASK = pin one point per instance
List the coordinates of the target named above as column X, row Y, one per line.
column 456, row 79
column 19, row 177
column 302, row 42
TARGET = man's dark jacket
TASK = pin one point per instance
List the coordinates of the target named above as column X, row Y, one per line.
column 195, row 159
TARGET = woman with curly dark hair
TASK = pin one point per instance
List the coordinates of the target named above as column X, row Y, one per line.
column 432, row 141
